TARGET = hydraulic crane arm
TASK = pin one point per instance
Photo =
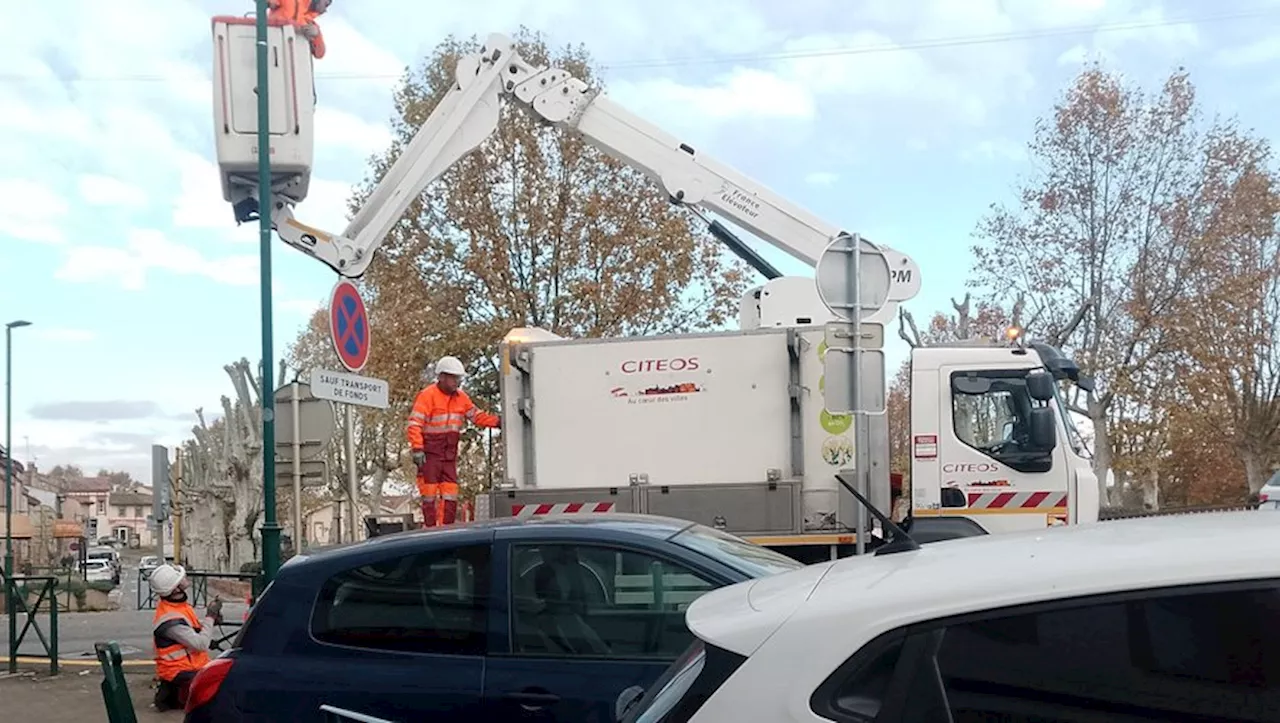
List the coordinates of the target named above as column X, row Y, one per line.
column 469, row 114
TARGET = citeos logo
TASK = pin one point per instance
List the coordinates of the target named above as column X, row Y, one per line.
column 673, row 364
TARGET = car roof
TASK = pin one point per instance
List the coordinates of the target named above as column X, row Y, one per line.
column 606, row 524
column 860, row 597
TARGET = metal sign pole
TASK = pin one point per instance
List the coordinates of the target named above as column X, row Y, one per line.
column 270, row 527
column 351, row 468
column 861, row 456
column 159, row 480
column 297, row 468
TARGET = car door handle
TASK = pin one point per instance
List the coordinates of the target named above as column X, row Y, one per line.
column 532, row 698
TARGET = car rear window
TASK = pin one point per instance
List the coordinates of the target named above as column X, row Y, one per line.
column 735, row 552
column 686, row 685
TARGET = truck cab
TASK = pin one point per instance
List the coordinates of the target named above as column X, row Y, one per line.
column 992, row 442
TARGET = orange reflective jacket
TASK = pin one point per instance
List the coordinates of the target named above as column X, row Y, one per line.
column 438, row 418
column 171, row 656
column 298, row 12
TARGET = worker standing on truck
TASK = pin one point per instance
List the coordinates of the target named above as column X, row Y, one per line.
column 435, row 426
column 181, row 643
column 302, row 14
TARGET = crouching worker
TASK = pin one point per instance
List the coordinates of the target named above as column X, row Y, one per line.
column 181, row 643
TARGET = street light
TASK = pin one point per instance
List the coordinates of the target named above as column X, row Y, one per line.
column 8, row 485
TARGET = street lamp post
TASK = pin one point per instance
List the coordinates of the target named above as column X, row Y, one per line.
column 8, row 485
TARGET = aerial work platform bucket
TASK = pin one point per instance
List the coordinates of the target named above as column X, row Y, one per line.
column 291, row 95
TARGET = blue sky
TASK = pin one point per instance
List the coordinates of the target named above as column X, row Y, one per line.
column 115, row 241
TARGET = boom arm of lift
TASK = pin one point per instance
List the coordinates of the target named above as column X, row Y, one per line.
column 469, row 114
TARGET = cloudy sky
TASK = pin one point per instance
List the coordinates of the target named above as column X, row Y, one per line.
column 900, row 119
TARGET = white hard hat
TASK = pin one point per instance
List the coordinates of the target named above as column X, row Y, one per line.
column 450, row 365
column 166, row 578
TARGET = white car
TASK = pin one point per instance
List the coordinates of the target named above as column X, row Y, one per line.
column 99, row 571
column 1269, row 495
column 1155, row 619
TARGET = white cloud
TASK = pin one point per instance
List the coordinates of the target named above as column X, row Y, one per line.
column 199, row 202
column 338, row 129
column 821, row 178
column 325, row 206
column 31, row 211
column 742, row 92
column 997, row 149
column 66, row 334
column 102, row 190
column 149, row 249
column 1265, row 50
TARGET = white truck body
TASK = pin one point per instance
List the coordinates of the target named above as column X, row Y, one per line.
column 730, row 430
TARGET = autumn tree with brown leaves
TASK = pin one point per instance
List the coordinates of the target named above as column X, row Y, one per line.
column 1229, row 319
column 534, row 228
column 1097, row 244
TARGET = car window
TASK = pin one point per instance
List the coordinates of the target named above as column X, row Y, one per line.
column 588, row 600
column 434, row 602
column 1176, row 655
column 686, row 685
column 735, row 552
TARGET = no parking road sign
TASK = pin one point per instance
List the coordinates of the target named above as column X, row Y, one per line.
column 349, row 326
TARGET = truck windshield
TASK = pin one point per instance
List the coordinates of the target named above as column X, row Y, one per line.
column 1073, row 433
column 735, row 552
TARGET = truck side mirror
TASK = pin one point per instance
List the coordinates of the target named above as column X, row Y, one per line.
column 1044, row 429
column 1040, row 386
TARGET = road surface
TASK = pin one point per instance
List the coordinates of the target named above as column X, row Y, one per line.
column 128, row 626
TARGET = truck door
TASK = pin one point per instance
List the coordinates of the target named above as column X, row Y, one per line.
column 986, row 455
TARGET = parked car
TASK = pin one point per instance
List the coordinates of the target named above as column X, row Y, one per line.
column 109, row 556
column 147, row 564
column 1269, row 495
column 1155, row 619
column 544, row 619
column 99, row 571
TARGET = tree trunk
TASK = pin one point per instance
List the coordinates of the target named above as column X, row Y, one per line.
column 1255, row 469
column 1101, row 447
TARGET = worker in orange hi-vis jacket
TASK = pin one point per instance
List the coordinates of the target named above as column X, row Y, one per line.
column 303, row 14
column 439, row 413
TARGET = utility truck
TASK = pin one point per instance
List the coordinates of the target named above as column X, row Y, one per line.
column 739, row 429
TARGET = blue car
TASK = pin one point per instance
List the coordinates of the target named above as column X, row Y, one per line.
column 544, row 619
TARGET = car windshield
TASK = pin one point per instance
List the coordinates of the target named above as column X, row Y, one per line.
column 735, row 552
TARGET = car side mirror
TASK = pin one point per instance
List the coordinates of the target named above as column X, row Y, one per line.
column 1040, row 386
column 1044, row 429
column 626, row 700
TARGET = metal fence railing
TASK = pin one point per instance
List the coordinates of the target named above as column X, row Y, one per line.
column 18, row 590
column 198, row 592
column 1117, row 513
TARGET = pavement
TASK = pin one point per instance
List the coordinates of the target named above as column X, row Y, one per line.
column 73, row 697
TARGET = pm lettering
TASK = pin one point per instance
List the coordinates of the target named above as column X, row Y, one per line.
column 970, row 467
column 900, row 276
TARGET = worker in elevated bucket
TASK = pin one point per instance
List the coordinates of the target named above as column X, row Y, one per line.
column 181, row 643
column 303, row 14
column 435, row 425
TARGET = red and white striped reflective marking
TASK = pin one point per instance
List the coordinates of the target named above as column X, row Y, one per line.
column 561, row 508
column 1017, row 500
column 926, row 446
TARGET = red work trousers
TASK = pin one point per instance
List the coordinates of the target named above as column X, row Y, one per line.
column 438, row 489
